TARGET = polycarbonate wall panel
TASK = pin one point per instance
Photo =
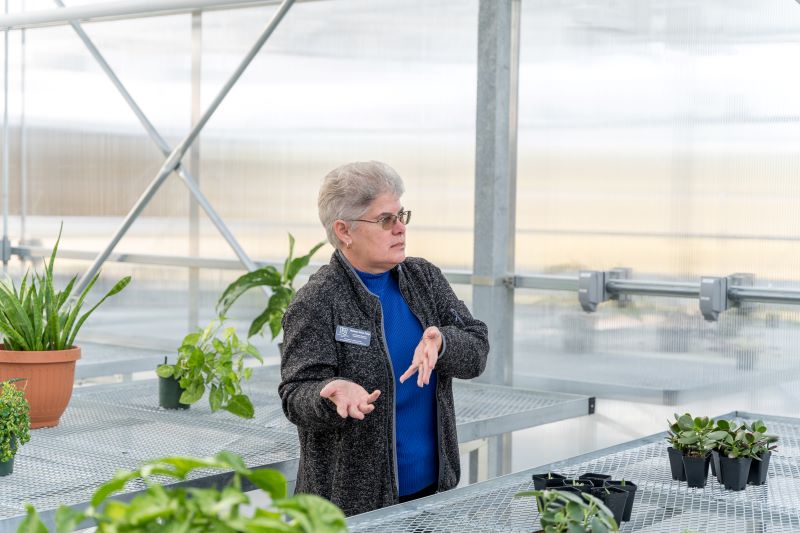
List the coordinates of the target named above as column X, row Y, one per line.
column 337, row 81
column 659, row 136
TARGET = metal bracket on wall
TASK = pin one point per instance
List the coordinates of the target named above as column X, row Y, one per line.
column 713, row 297
column 591, row 289
column 620, row 273
column 488, row 281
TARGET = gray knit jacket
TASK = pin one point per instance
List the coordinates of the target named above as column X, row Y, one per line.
column 353, row 462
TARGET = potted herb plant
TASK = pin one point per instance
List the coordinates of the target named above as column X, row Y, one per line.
column 168, row 508
column 281, row 284
column 566, row 512
column 14, row 424
column 213, row 359
column 39, row 324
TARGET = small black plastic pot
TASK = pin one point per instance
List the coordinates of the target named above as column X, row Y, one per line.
column 628, row 487
column 595, row 478
column 676, row 464
column 715, row 469
column 551, row 479
column 735, row 472
column 569, row 488
column 759, row 469
column 614, row 498
column 169, row 393
column 7, row 467
column 696, row 470
column 583, row 485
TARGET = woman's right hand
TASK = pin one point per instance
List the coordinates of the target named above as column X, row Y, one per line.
column 350, row 398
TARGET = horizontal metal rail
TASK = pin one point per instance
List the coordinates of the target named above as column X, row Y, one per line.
column 614, row 287
column 119, row 10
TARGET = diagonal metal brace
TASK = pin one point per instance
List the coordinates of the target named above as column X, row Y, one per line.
column 173, row 158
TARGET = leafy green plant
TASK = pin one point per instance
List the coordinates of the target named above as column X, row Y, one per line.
column 15, row 424
column 36, row 317
column 213, row 358
column 281, row 284
column 181, row 509
column 744, row 440
column 694, row 437
column 565, row 512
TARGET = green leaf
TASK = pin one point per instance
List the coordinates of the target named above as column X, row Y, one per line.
column 118, row 286
column 241, row 406
column 67, row 518
column 215, row 398
column 116, row 484
column 32, row 523
column 270, row 481
column 264, row 276
column 165, row 371
column 297, row 264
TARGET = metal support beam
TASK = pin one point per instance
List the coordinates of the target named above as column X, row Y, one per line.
column 6, row 245
column 194, row 164
column 495, row 187
column 119, row 9
column 173, row 159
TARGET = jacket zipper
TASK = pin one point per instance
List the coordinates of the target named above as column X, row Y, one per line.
column 396, row 483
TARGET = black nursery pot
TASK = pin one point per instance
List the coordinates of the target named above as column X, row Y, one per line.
column 759, row 469
column 169, row 392
column 715, row 468
column 628, row 487
column 676, row 464
column 735, row 472
column 7, row 467
column 541, row 481
column 595, row 478
column 615, row 499
column 696, row 470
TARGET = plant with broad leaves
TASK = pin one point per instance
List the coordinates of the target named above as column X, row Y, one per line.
column 36, row 317
column 281, row 284
column 694, row 437
column 185, row 509
column 15, row 422
column 565, row 512
column 744, row 440
column 213, row 358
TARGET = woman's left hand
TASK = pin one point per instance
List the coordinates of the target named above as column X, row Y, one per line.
column 425, row 357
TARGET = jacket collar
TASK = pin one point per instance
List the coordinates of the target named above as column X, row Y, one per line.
column 365, row 298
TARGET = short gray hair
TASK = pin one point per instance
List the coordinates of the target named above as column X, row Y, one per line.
column 347, row 192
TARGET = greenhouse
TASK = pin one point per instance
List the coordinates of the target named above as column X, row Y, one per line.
column 219, row 314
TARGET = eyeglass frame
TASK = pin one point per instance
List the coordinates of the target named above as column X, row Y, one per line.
column 387, row 222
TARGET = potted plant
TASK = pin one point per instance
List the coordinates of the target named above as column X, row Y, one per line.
column 14, row 424
column 736, row 449
column 39, row 325
column 675, row 451
column 550, row 479
column 210, row 358
column 628, row 487
column 180, row 508
column 696, row 438
column 761, row 452
column 281, row 284
column 565, row 512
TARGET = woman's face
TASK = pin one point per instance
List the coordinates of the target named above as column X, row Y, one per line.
column 372, row 248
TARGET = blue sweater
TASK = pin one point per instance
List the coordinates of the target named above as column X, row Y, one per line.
column 415, row 407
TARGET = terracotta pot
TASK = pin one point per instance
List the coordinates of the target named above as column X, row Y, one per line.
column 49, row 381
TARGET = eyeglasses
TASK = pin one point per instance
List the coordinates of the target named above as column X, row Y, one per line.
column 388, row 221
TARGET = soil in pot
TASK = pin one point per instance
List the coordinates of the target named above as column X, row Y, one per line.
column 169, row 393
column 734, row 472
column 630, row 488
column 759, row 469
column 676, row 464
column 550, row 479
column 696, row 470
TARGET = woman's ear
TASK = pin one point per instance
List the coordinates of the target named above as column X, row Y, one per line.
column 342, row 231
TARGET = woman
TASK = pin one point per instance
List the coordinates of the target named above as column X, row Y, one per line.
column 371, row 344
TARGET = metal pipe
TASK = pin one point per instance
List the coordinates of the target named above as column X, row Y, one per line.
column 119, row 10
column 653, row 288
column 5, row 244
column 23, row 141
column 174, row 158
column 764, row 295
column 183, row 173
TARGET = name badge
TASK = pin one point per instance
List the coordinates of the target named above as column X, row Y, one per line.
column 353, row 336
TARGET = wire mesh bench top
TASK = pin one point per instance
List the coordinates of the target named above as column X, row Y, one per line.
column 113, row 426
column 661, row 505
